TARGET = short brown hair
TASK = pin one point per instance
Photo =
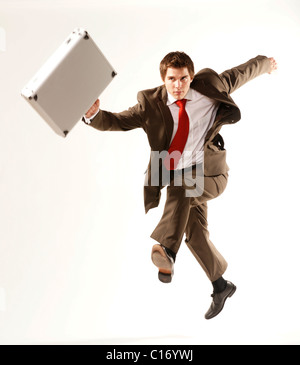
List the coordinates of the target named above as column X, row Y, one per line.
column 176, row 60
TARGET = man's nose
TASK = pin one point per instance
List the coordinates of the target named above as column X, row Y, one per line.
column 178, row 84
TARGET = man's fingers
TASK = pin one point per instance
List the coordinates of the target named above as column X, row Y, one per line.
column 273, row 65
column 93, row 109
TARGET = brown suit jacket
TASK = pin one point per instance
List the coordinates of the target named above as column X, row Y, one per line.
column 153, row 115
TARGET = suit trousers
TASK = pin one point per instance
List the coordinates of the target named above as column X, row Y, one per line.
column 188, row 215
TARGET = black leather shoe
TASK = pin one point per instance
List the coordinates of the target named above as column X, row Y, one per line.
column 219, row 300
column 164, row 262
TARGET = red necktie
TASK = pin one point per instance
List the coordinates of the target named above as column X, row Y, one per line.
column 179, row 141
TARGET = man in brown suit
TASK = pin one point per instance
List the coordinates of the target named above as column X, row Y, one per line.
column 182, row 120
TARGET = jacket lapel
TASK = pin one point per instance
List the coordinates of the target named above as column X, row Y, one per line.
column 166, row 115
column 228, row 112
column 212, row 92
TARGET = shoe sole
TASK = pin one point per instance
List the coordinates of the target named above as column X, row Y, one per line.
column 233, row 290
column 160, row 260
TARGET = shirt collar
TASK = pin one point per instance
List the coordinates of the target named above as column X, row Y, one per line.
column 172, row 100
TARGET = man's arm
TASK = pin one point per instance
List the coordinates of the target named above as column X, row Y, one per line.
column 238, row 76
column 124, row 121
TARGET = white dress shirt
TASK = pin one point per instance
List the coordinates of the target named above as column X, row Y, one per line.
column 201, row 111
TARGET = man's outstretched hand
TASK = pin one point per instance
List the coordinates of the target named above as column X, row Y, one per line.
column 93, row 109
column 273, row 65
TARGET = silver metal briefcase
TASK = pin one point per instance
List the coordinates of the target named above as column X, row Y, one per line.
column 69, row 82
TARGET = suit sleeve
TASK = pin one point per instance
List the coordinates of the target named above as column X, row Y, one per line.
column 123, row 121
column 239, row 75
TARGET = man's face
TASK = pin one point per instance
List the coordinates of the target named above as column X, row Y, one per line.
column 177, row 82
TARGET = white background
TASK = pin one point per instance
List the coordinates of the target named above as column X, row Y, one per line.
column 75, row 249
